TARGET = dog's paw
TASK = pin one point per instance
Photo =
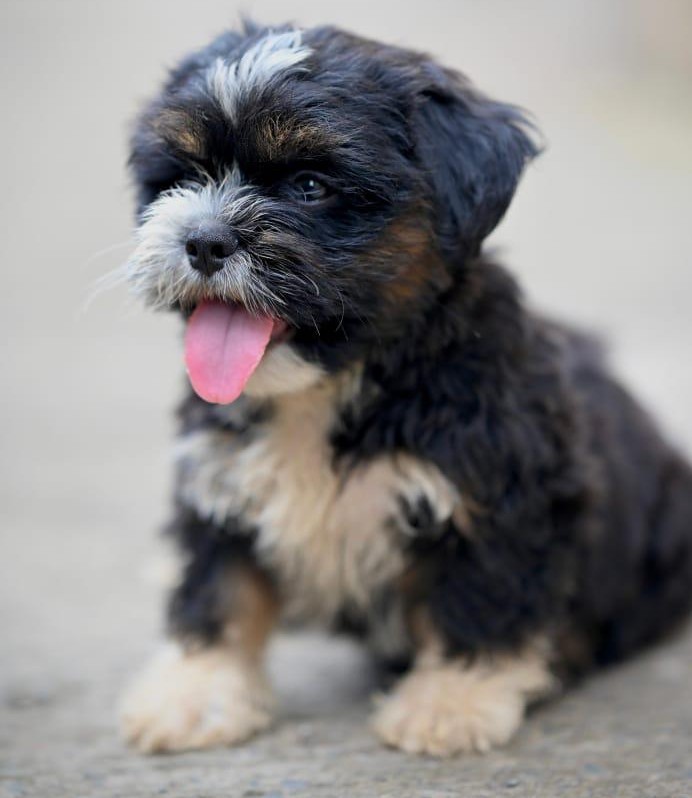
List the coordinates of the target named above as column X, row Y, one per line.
column 184, row 701
column 448, row 710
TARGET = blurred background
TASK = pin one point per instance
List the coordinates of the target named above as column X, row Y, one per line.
column 600, row 232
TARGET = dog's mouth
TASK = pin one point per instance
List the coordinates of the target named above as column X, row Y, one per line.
column 224, row 344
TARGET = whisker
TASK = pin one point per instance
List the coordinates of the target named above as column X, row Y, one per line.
column 105, row 251
column 105, row 282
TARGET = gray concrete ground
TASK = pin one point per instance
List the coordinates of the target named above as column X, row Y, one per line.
column 600, row 232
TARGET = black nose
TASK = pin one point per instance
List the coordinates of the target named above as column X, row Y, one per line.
column 209, row 246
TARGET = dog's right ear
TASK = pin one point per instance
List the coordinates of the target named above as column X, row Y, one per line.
column 474, row 151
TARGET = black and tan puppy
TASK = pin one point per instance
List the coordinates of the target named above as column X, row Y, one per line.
column 381, row 437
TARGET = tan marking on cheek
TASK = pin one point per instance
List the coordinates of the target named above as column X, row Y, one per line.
column 408, row 244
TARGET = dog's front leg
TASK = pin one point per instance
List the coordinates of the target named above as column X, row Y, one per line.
column 207, row 686
column 447, row 706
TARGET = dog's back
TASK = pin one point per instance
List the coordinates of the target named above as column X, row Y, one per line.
column 638, row 578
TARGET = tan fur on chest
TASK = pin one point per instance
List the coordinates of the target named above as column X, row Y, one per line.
column 327, row 533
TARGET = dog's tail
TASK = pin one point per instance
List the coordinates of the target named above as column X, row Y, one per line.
column 665, row 578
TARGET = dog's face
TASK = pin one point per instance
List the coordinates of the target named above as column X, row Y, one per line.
column 305, row 196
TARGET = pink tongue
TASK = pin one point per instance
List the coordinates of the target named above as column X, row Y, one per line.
column 223, row 346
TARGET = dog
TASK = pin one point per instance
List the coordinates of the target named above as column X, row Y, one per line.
column 380, row 437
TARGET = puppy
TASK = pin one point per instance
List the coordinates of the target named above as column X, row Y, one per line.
column 380, row 437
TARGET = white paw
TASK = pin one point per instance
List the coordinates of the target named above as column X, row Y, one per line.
column 194, row 700
column 448, row 710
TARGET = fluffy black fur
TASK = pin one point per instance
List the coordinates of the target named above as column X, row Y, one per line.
column 581, row 515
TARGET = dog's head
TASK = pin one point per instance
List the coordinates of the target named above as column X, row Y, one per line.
column 306, row 196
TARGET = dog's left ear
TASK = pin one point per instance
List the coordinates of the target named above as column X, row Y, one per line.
column 474, row 151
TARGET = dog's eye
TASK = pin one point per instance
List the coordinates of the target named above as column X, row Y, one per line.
column 309, row 189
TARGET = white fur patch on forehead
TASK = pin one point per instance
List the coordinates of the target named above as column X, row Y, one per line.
column 274, row 53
